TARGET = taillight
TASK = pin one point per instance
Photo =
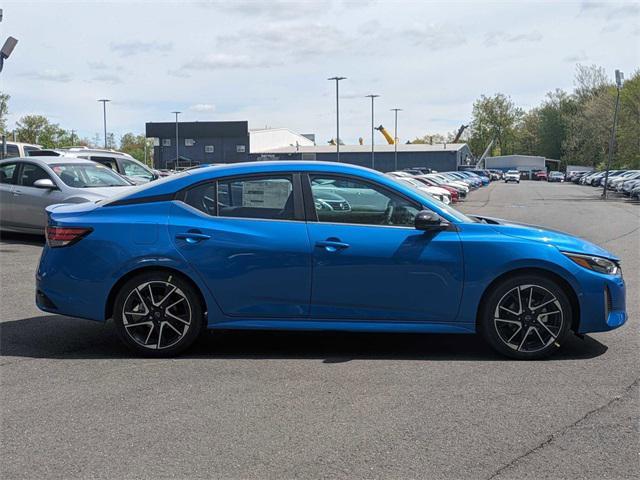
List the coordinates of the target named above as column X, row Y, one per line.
column 65, row 236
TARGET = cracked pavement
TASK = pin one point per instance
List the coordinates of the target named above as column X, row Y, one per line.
column 76, row 404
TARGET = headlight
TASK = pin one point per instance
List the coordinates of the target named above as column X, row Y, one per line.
column 597, row 264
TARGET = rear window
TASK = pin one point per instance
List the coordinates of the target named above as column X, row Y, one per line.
column 140, row 189
column 88, row 175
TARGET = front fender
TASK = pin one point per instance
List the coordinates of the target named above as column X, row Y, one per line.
column 487, row 259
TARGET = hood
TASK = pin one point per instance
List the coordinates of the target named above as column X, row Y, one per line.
column 562, row 241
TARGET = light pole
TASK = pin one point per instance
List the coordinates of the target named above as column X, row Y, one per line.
column 177, row 156
column 612, row 140
column 373, row 158
column 337, row 80
column 395, row 139
column 104, row 118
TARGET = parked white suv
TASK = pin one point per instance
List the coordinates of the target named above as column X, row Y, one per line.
column 512, row 176
column 122, row 163
column 18, row 149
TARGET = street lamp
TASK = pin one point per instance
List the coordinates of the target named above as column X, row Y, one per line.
column 337, row 80
column 177, row 156
column 395, row 139
column 612, row 140
column 104, row 118
column 373, row 158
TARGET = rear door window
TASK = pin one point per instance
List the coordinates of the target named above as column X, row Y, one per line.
column 7, row 173
column 107, row 162
column 12, row 151
column 268, row 197
column 30, row 173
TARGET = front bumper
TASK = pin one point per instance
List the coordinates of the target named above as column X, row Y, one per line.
column 602, row 304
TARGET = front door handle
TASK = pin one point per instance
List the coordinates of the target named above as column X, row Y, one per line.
column 16, row 192
column 331, row 245
column 193, row 237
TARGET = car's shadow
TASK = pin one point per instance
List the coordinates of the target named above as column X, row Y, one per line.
column 62, row 337
column 11, row 238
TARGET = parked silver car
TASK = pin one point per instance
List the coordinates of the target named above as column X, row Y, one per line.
column 29, row 185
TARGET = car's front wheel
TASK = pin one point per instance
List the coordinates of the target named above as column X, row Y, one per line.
column 526, row 317
column 158, row 314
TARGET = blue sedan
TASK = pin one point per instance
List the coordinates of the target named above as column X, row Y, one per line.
column 317, row 246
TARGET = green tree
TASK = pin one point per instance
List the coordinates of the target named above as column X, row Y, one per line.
column 628, row 136
column 589, row 129
column 38, row 129
column 528, row 133
column 554, row 114
column 430, row 139
column 134, row 145
column 496, row 118
column 590, row 81
column 4, row 111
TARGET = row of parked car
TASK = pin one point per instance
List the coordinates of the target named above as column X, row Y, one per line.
column 448, row 187
column 32, row 178
column 624, row 182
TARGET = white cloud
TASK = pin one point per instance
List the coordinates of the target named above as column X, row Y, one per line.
column 203, row 108
column 221, row 61
column 127, row 49
column 48, row 76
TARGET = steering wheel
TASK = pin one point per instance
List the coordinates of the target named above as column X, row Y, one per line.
column 388, row 213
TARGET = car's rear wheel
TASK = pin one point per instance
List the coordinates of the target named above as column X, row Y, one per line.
column 526, row 317
column 158, row 314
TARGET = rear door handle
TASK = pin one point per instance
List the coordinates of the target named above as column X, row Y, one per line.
column 16, row 192
column 193, row 237
column 332, row 245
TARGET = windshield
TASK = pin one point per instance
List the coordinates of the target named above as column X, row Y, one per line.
column 88, row 175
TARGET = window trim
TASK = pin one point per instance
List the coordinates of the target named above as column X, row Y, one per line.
column 298, row 205
column 310, row 206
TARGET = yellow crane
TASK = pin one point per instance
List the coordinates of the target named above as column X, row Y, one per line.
column 386, row 135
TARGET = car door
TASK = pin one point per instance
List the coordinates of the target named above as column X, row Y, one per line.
column 8, row 199
column 31, row 201
column 370, row 263
column 247, row 239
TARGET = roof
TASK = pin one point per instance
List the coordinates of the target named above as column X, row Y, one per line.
column 53, row 160
column 197, row 129
column 402, row 147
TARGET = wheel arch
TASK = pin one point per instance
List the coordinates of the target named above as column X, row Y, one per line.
column 108, row 309
column 564, row 284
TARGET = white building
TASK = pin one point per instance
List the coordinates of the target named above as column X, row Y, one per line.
column 267, row 139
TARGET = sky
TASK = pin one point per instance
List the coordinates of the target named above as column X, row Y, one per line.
column 268, row 61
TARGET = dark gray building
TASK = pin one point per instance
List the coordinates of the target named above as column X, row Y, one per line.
column 437, row 157
column 198, row 142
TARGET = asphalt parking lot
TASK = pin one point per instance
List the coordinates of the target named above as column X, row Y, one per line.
column 76, row 404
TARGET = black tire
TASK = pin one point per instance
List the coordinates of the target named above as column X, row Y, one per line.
column 533, row 333
column 163, row 315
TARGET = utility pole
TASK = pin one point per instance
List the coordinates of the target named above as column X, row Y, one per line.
column 612, row 140
column 373, row 154
column 73, row 132
column 395, row 139
column 337, row 80
column 177, row 155
column 104, row 118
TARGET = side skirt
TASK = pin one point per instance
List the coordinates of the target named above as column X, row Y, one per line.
column 345, row 326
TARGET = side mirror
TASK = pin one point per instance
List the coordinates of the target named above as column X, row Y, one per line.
column 428, row 220
column 45, row 183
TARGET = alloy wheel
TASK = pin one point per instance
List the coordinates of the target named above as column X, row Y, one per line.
column 156, row 315
column 528, row 318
